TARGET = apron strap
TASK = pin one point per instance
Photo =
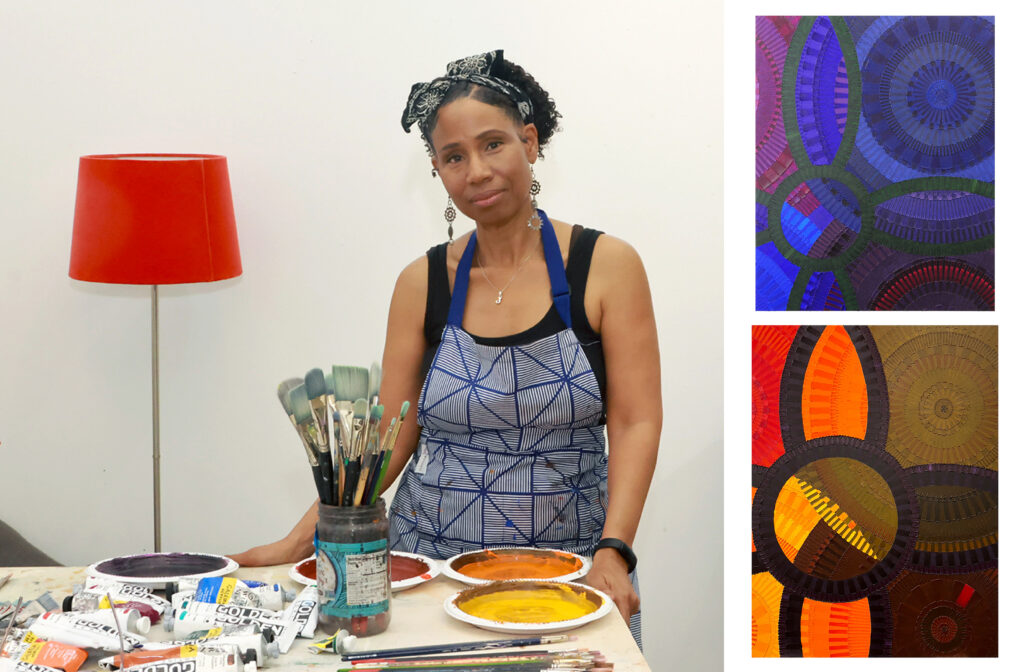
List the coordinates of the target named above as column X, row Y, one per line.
column 458, row 304
column 556, row 271
column 556, row 274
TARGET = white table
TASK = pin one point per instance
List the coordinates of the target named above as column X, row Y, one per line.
column 417, row 618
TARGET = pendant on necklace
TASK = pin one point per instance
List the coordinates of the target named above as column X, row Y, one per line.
column 498, row 300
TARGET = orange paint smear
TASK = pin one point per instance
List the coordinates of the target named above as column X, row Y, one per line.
column 835, row 396
column 499, row 565
column 835, row 630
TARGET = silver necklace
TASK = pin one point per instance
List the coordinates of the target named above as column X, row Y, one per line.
column 502, row 290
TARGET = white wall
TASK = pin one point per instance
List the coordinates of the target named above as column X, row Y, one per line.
column 332, row 199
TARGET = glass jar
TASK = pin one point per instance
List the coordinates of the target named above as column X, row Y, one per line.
column 352, row 568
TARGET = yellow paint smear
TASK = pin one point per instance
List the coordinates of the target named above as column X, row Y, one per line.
column 530, row 605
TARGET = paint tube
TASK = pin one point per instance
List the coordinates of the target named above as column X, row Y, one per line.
column 126, row 592
column 187, row 658
column 41, row 652
column 333, row 644
column 226, row 590
column 178, row 600
column 194, row 614
column 209, row 633
column 33, row 609
column 8, row 665
column 70, row 629
column 303, row 610
column 254, row 642
column 90, row 602
column 229, row 590
column 128, row 619
column 272, row 595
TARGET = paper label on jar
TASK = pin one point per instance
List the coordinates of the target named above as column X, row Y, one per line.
column 352, row 579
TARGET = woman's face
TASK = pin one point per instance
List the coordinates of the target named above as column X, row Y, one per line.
column 483, row 158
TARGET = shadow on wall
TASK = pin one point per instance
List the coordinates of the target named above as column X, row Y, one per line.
column 15, row 551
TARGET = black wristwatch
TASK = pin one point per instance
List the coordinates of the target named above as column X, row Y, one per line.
column 622, row 547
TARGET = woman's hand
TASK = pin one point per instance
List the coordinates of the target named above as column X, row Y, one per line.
column 296, row 545
column 608, row 574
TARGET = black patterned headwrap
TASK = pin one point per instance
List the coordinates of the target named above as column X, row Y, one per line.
column 426, row 97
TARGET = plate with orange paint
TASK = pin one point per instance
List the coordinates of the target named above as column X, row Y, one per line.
column 499, row 564
column 407, row 570
column 536, row 607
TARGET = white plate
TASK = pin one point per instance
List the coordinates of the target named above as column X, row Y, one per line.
column 533, row 628
column 433, row 570
column 94, row 571
column 295, row 575
column 452, row 573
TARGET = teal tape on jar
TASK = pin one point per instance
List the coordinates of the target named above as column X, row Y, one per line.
column 352, row 568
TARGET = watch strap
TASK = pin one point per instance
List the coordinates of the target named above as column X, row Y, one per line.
column 622, row 547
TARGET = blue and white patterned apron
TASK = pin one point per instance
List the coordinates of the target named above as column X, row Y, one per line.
column 512, row 451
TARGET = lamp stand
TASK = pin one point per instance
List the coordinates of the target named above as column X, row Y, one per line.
column 156, row 424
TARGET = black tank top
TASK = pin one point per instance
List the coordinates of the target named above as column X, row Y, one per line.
column 577, row 268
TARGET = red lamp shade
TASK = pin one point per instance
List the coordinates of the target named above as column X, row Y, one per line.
column 154, row 219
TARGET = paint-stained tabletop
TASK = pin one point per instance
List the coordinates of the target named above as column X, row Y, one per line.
column 417, row 618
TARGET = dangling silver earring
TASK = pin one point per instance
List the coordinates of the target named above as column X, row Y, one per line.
column 534, row 223
column 449, row 216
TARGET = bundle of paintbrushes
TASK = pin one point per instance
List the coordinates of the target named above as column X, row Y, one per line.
column 579, row 660
column 338, row 419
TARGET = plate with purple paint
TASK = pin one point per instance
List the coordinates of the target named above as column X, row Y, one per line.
column 157, row 568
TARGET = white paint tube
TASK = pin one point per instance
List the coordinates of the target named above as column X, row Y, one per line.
column 193, row 615
column 69, row 628
column 303, row 610
column 226, row 590
column 178, row 600
column 245, row 642
column 126, row 618
column 229, row 590
column 124, row 592
column 208, row 633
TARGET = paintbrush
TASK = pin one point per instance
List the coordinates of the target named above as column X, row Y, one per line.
column 373, row 391
column 370, row 452
column 483, row 645
column 350, row 383
column 353, row 459
column 10, row 624
column 284, row 396
column 582, row 656
column 308, row 427
column 5, row 579
column 369, row 495
column 113, row 613
column 392, row 437
column 316, row 391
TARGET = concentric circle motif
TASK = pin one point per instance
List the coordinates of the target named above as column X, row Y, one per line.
column 936, row 284
column 943, row 398
column 944, row 615
column 834, row 561
column 927, row 92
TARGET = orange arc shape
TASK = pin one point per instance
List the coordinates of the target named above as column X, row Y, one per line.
column 835, row 395
column 835, row 630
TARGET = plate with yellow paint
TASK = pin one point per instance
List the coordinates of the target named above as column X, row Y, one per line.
column 477, row 568
column 520, row 606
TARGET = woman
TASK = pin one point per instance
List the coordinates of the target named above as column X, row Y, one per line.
column 516, row 375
